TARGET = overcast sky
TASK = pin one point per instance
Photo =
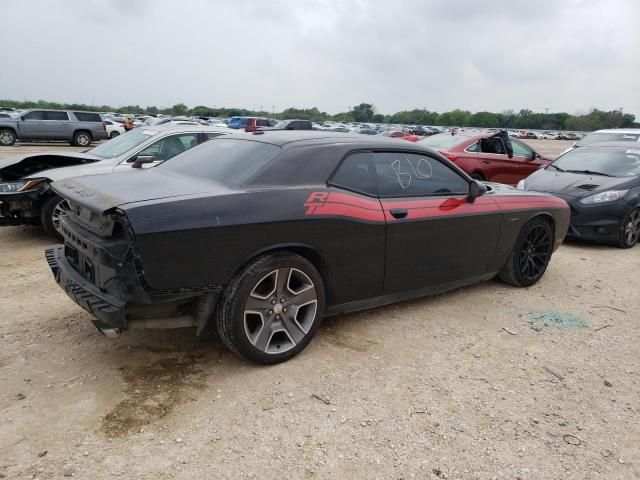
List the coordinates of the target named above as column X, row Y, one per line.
column 566, row 55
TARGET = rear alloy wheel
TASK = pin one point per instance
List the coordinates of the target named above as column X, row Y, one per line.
column 7, row 137
column 630, row 229
column 81, row 139
column 272, row 309
column 53, row 208
column 530, row 256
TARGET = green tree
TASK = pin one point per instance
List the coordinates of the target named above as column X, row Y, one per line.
column 179, row 109
column 363, row 112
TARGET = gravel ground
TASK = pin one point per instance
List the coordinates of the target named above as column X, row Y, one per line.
column 478, row 383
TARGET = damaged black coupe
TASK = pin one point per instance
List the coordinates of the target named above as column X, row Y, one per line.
column 261, row 236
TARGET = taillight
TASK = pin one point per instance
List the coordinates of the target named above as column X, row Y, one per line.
column 104, row 126
column 450, row 156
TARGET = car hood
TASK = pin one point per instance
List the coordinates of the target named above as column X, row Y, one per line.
column 21, row 166
column 573, row 184
column 100, row 193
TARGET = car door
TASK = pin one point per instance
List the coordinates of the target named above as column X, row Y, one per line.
column 57, row 125
column 528, row 161
column 435, row 235
column 163, row 149
column 495, row 162
column 32, row 125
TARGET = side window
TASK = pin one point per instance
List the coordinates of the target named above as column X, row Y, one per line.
column 521, row 150
column 492, row 145
column 60, row 116
column 357, row 172
column 408, row 174
column 88, row 117
column 261, row 123
column 171, row 146
column 473, row 148
column 35, row 115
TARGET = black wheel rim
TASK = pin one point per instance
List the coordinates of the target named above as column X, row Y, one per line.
column 535, row 252
column 280, row 310
column 632, row 228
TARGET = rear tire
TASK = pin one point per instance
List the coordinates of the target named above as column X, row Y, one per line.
column 271, row 310
column 530, row 256
column 52, row 208
column 81, row 139
column 114, row 134
column 7, row 137
column 629, row 229
column 477, row 176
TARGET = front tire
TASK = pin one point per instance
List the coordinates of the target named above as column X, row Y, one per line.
column 114, row 134
column 7, row 137
column 530, row 256
column 629, row 229
column 271, row 310
column 52, row 208
column 477, row 176
column 81, row 139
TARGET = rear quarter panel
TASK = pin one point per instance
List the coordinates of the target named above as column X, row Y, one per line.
column 202, row 241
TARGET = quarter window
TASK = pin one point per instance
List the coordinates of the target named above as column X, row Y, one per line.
column 357, row 172
column 408, row 174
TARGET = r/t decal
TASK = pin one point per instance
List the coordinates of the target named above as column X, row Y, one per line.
column 315, row 200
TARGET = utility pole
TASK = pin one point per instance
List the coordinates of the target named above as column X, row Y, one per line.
column 273, row 109
column 260, row 108
column 546, row 111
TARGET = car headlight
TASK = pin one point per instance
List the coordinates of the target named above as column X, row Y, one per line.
column 604, row 197
column 520, row 185
column 19, row 185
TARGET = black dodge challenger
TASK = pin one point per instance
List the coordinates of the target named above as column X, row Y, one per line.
column 262, row 235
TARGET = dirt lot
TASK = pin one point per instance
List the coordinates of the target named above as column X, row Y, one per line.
column 479, row 383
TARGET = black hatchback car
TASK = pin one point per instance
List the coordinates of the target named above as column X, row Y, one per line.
column 601, row 184
column 262, row 235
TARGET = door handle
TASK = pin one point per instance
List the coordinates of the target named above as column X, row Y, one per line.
column 399, row 212
column 486, row 161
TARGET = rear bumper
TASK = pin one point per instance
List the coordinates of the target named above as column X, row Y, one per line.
column 109, row 312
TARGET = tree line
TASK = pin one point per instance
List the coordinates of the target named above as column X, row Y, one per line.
column 366, row 113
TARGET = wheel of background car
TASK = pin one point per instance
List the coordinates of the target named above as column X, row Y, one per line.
column 81, row 139
column 630, row 229
column 272, row 309
column 52, row 209
column 477, row 176
column 114, row 134
column 530, row 256
column 7, row 137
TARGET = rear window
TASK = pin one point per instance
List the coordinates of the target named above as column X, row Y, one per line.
column 596, row 137
column 443, row 140
column 229, row 161
column 88, row 117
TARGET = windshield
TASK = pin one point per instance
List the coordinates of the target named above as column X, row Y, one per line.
column 596, row 137
column 231, row 162
column 615, row 162
column 443, row 140
column 122, row 143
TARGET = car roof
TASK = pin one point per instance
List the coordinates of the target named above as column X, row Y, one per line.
column 630, row 144
column 291, row 138
column 618, row 130
column 169, row 128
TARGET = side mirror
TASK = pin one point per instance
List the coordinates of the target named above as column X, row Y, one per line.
column 142, row 159
column 476, row 189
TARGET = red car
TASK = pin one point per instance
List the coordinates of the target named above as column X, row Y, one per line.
column 485, row 157
column 402, row 135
